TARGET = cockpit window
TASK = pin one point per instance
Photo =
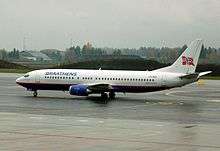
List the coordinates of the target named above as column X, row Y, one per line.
column 27, row 75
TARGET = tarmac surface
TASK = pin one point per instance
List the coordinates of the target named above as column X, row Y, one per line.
column 180, row 119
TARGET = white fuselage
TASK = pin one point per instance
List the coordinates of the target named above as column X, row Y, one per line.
column 120, row 81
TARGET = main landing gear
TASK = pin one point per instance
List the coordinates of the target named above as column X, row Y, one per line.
column 112, row 95
column 35, row 93
column 105, row 96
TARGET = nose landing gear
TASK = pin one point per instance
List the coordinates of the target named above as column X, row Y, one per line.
column 35, row 93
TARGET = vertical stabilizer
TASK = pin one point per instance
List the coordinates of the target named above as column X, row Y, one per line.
column 187, row 61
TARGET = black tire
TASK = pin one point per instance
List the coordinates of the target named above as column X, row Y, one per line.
column 35, row 93
column 112, row 95
column 104, row 97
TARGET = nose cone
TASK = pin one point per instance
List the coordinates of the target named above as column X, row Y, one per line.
column 18, row 80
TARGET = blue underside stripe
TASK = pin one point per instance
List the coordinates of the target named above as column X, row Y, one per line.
column 65, row 87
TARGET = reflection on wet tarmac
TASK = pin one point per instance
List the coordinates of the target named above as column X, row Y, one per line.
column 185, row 118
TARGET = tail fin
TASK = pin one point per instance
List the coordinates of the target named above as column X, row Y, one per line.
column 188, row 60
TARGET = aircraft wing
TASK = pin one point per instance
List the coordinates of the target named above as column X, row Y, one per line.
column 100, row 87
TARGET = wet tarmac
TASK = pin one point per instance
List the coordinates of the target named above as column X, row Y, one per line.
column 186, row 118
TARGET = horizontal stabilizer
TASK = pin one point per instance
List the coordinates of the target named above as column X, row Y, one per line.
column 190, row 76
column 195, row 75
column 204, row 73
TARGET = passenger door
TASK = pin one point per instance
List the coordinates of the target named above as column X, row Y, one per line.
column 163, row 80
column 37, row 77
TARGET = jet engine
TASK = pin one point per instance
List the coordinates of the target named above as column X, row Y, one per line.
column 79, row 89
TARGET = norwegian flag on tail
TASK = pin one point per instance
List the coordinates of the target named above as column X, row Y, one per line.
column 187, row 61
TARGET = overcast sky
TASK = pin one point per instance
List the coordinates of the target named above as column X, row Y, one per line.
column 108, row 23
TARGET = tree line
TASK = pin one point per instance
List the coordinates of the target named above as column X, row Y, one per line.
column 74, row 54
column 87, row 52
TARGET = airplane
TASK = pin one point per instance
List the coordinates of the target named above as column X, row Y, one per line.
column 81, row 82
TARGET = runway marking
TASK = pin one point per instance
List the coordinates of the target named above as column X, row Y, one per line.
column 101, row 122
column 154, row 133
column 9, row 94
column 83, row 121
column 170, row 93
column 62, row 119
column 159, row 125
column 165, row 103
column 214, row 101
column 34, row 117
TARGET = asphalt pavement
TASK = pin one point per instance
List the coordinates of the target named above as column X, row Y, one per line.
column 186, row 118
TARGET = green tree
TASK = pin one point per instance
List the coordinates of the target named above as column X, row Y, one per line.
column 117, row 52
column 3, row 54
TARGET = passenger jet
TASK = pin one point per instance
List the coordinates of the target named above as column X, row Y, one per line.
column 108, row 82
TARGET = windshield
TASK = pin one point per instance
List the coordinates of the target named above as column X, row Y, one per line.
column 27, row 75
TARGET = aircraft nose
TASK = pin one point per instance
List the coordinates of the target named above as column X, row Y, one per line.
column 18, row 80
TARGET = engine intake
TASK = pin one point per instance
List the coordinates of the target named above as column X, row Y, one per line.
column 79, row 89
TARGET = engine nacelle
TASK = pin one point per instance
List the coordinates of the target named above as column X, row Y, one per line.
column 79, row 89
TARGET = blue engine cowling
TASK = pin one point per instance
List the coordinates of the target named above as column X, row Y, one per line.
column 79, row 89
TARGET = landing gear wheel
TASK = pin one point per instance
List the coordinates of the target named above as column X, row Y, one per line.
column 104, row 97
column 35, row 93
column 112, row 95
